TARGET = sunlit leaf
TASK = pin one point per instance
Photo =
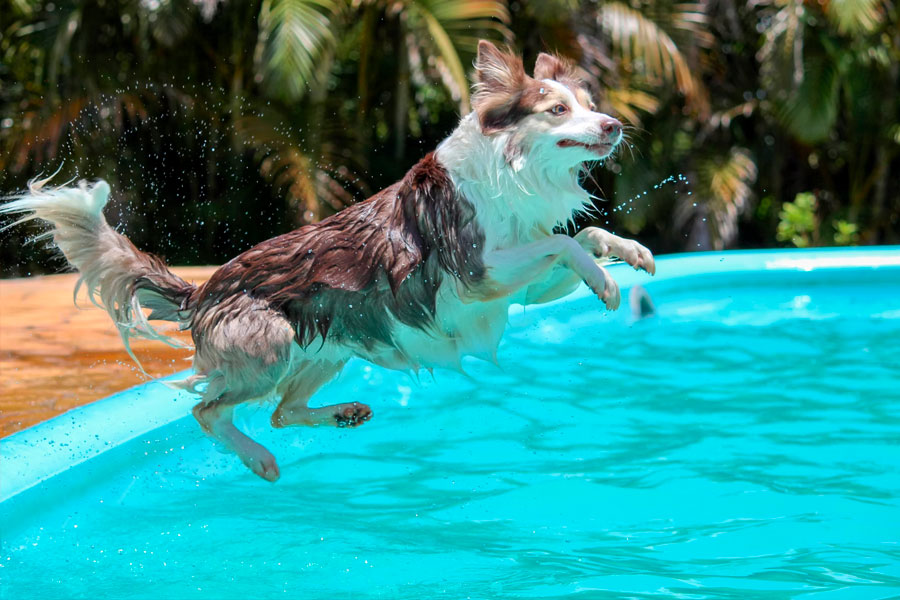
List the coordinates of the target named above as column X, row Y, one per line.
column 444, row 28
column 627, row 103
column 722, row 194
column 645, row 48
column 855, row 16
column 294, row 34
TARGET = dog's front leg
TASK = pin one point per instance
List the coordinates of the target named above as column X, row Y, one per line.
column 603, row 244
column 511, row 269
column 558, row 283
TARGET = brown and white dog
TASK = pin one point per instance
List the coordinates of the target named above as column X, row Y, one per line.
column 418, row 276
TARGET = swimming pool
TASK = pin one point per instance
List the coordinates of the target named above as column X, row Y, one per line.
column 743, row 442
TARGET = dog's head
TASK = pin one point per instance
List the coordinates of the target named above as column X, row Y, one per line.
column 549, row 117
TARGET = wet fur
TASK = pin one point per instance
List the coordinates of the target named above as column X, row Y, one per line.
column 419, row 275
column 349, row 278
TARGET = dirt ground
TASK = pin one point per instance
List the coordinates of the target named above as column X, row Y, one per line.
column 55, row 356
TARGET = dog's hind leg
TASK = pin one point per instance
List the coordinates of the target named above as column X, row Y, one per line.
column 215, row 418
column 243, row 352
column 296, row 390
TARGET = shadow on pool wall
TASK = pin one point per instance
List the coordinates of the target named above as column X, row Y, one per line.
column 738, row 441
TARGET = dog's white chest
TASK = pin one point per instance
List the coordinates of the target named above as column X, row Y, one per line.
column 462, row 329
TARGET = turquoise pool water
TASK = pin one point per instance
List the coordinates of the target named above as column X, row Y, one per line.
column 744, row 442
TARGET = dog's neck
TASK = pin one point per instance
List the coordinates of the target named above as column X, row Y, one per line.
column 518, row 196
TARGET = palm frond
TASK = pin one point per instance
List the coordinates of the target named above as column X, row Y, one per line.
column 799, row 74
column 627, row 103
column 445, row 27
column 293, row 35
column 810, row 112
column 855, row 16
column 42, row 129
column 281, row 163
column 314, row 188
column 646, row 49
column 781, row 54
column 722, row 194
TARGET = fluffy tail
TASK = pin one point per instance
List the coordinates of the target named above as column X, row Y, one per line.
column 120, row 279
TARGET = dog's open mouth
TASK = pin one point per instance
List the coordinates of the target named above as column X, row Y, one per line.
column 601, row 149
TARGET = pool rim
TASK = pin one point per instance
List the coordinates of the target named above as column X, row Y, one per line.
column 36, row 454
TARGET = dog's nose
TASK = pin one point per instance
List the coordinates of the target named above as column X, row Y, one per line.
column 611, row 127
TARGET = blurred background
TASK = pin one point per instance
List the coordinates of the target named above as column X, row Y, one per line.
column 220, row 123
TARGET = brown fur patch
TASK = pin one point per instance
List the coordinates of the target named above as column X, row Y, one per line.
column 351, row 276
column 564, row 71
column 505, row 94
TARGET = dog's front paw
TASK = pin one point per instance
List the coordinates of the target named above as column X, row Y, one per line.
column 605, row 287
column 603, row 244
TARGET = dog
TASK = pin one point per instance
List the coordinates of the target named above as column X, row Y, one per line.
column 417, row 276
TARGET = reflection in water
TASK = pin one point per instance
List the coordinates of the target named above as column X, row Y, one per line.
column 640, row 302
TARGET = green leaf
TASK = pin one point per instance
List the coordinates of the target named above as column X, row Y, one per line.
column 855, row 16
column 444, row 27
column 294, row 35
column 811, row 112
column 644, row 47
column 798, row 220
column 845, row 233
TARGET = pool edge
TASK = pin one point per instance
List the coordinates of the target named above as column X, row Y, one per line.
column 34, row 455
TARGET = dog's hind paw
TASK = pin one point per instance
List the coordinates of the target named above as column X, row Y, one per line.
column 352, row 415
column 260, row 461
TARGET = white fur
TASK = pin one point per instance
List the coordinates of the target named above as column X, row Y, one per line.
column 521, row 182
column 513, row 203
column 108, row 262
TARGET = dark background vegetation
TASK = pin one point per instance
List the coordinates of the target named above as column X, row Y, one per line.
column 220, row 123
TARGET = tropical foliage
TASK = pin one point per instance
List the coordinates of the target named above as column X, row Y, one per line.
column 221, row 123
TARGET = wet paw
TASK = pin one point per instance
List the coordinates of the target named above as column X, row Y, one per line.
column 603, row 244
column 262, row 463
column 636, row 255
column 605, row 287
column 353, row 415
column 611, row 296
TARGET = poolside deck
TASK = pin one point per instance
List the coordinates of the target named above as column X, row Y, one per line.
column 55, row 356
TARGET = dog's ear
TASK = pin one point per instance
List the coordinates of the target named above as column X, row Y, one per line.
column 500, row 82
column 497, row 71
column 552, row 67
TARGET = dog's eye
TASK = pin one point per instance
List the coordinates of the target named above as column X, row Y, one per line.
column 592, row 107
column 559, row 109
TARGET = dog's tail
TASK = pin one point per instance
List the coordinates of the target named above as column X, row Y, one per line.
column 120, row 279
